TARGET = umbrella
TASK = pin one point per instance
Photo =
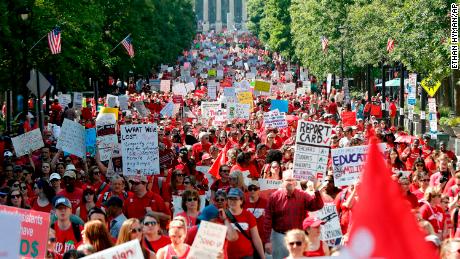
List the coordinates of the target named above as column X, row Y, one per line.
column 405, row 139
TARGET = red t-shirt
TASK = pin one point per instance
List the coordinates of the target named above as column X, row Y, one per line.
column 198, row 148
column 242, row 246
column 258, row 210
column 251, row 168
column 74, row 197
column 65, row 239
column 134, row 207
column 34, row 205
column 434, row 215
column 156, row 245
column 191, row 234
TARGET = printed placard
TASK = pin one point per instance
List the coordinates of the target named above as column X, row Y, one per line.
column 77, row 100
column 280, row 105
column 238, row 111
column 72, row 138
column 65, row 99
column 262, row 86
column 34, row 227
column 168, row 110
column 107, row 138
column 165, row 86
column 140, row 107
column 246, row 98
column 123, row 102
column 269, row 184
column 10, row 225
column 128, row 250
column 212, row 91
column 29, row 141
column 209, row 241
column 348, row 163
column 331, row 229
column 179, row 89
column 139, row 144
column 209, row 109
column 112, row 101
column 275, row 119
column 90, row 141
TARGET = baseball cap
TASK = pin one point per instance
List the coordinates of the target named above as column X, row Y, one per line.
column 254, row 182
column 8, row 153
column 70, row 167
column 62, row 201
column 17, row 168
column 70, row 174
column 205, row 156
column 139, row 178
column 55, row 176
column 235, row 192
column 312, row 222
column 209, row 212
column 114, row 201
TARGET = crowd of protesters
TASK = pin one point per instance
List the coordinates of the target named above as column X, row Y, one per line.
column 92, row 211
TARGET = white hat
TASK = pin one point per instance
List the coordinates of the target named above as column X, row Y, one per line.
column 70, row 174
column 70, row 167
column 55, row 176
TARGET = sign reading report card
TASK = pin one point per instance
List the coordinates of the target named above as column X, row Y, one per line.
column 209, row 241
column 312, row 149
column 72, row 139
column 348, row 163
column 128, row 250
column 9, row 244
column 139, row 144
column 29, row 141
column 34, row 231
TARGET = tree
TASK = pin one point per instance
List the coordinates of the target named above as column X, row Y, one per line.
column 255, row 15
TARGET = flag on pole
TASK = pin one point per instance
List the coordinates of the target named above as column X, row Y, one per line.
column 324, row 43
column 383, row 224
column 390, row 45
column 54, row 40
column 127, row 43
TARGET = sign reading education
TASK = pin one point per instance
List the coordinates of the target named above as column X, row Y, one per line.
column 312, row 149
column 34, row 231
column 29, row 141
column 140, row 152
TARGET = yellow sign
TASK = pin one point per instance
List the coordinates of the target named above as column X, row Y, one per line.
column 430, row 85
column 212, row 73
column 110, row 110
column 246, row 98
column 262, row 86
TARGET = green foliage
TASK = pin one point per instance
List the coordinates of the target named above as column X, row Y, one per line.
column 160, row 30
column 256, row 9
column 444, row 111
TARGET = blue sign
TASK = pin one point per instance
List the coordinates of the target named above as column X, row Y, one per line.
column 281, row 105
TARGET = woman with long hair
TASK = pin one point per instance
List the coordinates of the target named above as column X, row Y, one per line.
column 246, row 142
column 175, row 188
column 88, row 201
column 44, row 195
column 237, row 180
column 296, row 243
column 315, row 247
column 191, row 207
column 96, row 234
column 130, row 230
column 222, row 140
column 178, row 248
column 16, row 199
column 431, row 209
column 274, row 171
column 153, row 239
column 394, row 161
column 423, row 181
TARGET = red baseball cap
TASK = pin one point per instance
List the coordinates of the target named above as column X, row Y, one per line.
column 311, row 222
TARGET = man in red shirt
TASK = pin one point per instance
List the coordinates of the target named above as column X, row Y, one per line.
column 286, row 210
column 256, row 205
column 202, row 146
column 451, row 155
column 411, row 153
column 332, row 108
column 144, row 201
column 71, row 192
column 427, row 150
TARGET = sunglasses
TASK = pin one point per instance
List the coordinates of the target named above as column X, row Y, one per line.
column 52, row 239
column 419, row 165
column 187, row 182
column 136, row 230
column 96, row 173
column 134, row 183
column 192, row 199
column 150, row 223
column 253, row 188
column 297, row 243
column 233, row 198
column 16, row 185
column 2, row 196
column 225, row 171
column 220, row 200
column 16, row 196
column 180, row 175
column 425, row 180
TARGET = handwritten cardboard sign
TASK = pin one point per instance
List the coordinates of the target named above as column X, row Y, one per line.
column 72, row 138
column 140, row 107
column 29, row 141
column 140, row 152
column 331, row 229
column 209, row 241
column 128, row 250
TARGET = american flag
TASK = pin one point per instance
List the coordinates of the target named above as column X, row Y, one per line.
column 54, row 40
column 128, row 45
column 390, row 45
column 324, row 43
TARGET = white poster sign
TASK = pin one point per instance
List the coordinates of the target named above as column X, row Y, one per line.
column 123, row 102
column 107, row 138
column 168, row 110
column 139, row 144
column 238, row 111
column 209, row 241
column 112, row 101
column 128, row 250
column 209, row 109
column 10, row 226
column 275, row 119
column 140, row 107
column 72, row 138
column 77, row 100
column 331, row 229
column 29, row 141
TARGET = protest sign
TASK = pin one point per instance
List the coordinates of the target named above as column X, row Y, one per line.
column 34, row 226
column 289, row 88
column 209, row 241
column 238, row 111
column 72, row 138
column 246, row 98
column 190, row 87
column 212, row 73
column 90, row 141
column 275, row 119
column 220, row 74
column 155, row 84
column 312, row 149
column 348, row 118
column 167, row 111
column 179, row 89
column 140, row 107
column 29, row 141
column 128, row 250
column 139, row 144
column 209, row 109
column 165, row 86
column 123, row 102
column 212, row 91
column 301, row 91
column 348, row 163
column 10, row 225
column 262, row 86
column 64, row 100
column 280, row 105
column 269, row 184
column 112, row 101
column 77, row 100
column 331, row 229
column 230, row 94
column 106, row 138
column 329, row 83
column 105, row 110
column 250, row 76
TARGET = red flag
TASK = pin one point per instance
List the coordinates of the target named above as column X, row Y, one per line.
column 220, row 160
column 383, row 225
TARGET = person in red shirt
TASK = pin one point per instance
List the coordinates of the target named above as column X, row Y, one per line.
column 411, row 198
column 223, row 183
column 454, row 190
column 427, row 150
column 316, row 247
column 74, row 194
column 451, row 155
column 411, row 153
column 393, row 111
column 117, row 189
column 431, row 210
column 286, row 210
column 243, row 163
column 332, row 108
column 153, row 240
column 202, row 146
column 44, row 196
column 256, row 205
column 67, row 234
column 144, row 201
